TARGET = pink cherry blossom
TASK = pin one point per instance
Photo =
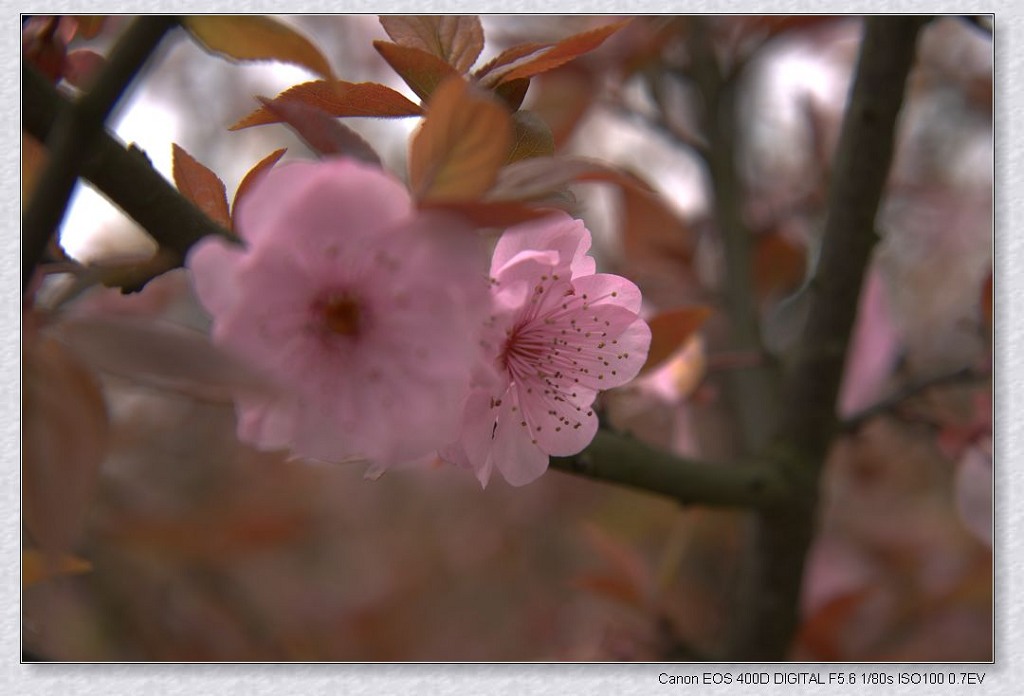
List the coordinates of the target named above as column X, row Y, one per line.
column 558, row 335
column 363, row 310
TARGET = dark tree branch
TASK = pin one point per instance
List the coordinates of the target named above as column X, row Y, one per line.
column 73, row 135
column 808, row 409
column 127, row 179
column 628, row 462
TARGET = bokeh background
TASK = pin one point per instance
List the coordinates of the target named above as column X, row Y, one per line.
column 199, row 548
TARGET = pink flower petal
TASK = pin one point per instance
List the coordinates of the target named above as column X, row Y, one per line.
column 513, row 450
column 557, row 232
column 214, row 262
column 316, row 198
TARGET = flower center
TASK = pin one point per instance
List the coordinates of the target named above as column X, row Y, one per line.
column 340, row 313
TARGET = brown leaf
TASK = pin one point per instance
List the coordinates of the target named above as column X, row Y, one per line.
column 253, row 175
column 201, row 186
column 550, row 57
column 488, row 213
column 779, row 265
column 37, row 567
column 562, row 98
column 162, row 355
column 531, row 137
column 338, row 98
column 65, row 434
column 322, row 132
column 455, row 39
column 252, row 37
column 650, row 228
column 671, row 330
column 461, row 144
column 422, row 71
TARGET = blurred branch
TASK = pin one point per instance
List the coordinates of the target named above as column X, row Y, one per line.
column 622, row 460
column 74, row 133
column 889, row 403
column 782, row 535
column 126, row 177
column 753, row 392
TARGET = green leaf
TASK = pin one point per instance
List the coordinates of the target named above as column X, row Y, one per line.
column 253, row 38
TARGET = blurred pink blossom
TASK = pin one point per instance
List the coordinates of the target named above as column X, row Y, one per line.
column 559, row 334
column 364, row 310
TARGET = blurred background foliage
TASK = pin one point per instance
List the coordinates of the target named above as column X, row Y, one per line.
column 190, row 546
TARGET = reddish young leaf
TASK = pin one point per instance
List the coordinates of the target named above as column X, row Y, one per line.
column 455, row 39
column 321, row 131
column 779, row 265
column 64, row 440
column 488, row 213
column 506, row 58
column 551, row 57
column 201, row 186
column 422, row 71
column 531, row 137
column 338, row 98
column 81, row 66
column 252, row 37
column 670, row 330
column 461, row 144
column 253, row 175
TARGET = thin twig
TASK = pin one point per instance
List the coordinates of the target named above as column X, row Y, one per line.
column 894, row 400
column 71, row 139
